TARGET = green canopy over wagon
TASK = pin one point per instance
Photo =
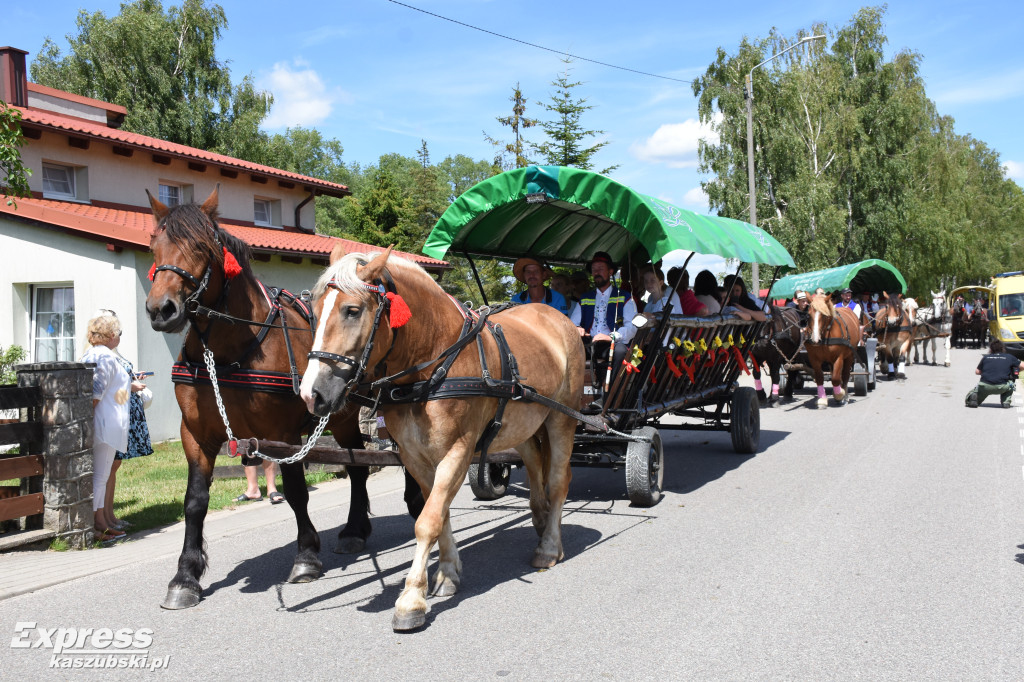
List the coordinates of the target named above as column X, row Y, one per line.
column 565, row 215
column 872, row 275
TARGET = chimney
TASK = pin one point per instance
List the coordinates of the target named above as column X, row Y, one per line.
column 13, row 76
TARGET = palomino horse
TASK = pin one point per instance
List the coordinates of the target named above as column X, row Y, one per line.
column 253, row 356
column 894, row 330
column 779, row 346
column 833, row 334
column 438, row 423
column 931, row 324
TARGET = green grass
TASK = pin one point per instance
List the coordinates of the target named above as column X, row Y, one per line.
column 150, row 490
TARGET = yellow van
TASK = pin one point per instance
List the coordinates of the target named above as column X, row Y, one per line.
column 1005, row 309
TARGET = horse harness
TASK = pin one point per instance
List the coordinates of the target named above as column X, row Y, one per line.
column 836, row 341
column 896, row 327
column 186, row 371
column 442, row 387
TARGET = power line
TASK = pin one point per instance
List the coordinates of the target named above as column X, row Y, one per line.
column 540, row 47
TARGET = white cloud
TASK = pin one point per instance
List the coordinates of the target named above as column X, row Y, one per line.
column 300, row 97
column 675, row 144
column 696, row 198
column 993, row 88
column 1014, row 170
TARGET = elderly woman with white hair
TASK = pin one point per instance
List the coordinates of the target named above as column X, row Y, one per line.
column 111, row 389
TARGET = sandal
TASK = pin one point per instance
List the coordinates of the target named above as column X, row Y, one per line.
column 276, row 498
column 109, row 534
column 245, row 498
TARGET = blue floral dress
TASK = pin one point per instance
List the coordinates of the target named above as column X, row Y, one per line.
column 139, row 444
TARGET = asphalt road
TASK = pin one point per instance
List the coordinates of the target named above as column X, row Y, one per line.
column 880, row 540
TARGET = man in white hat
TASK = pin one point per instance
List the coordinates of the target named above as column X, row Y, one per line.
column 533, row 274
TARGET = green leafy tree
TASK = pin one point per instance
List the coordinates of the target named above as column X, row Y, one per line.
column 852, row 159
column 14, row 173
column 460, row 172
column 566, row 134
column 162, row 66
column 8, row 359
column 513, row 154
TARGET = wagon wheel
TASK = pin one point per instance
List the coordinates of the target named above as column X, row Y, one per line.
column 495, row 480
column 745, row 426
column 644, row 467
column 860, row 384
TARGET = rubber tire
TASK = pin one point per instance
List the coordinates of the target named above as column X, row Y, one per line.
column 745, row 422
column 645, row 467
column 496, row 479
column 860, row 385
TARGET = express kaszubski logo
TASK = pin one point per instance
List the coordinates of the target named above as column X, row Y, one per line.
column 90, row 647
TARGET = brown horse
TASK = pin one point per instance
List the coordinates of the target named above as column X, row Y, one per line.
column 201, row 275
column 833, row 334
column 894, row 329
column 438, row 425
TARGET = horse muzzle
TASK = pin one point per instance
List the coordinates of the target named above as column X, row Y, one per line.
column 166, row 315
column 322, row 390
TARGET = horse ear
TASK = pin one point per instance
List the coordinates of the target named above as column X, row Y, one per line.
column 371, row 271
column 160, row 210
column 209, row 206
column 337, row 252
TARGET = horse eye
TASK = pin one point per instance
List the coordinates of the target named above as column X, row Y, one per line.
column 353, row 311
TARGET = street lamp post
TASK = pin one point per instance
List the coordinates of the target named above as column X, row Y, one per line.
column 755, row 284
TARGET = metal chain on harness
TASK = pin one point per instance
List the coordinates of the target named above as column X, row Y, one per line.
column 313, row 437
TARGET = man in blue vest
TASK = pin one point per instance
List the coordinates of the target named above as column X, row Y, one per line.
column 605, row 315
column 533, row 274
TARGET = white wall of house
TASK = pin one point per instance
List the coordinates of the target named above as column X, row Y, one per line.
column 106, row 279
column 122, row 180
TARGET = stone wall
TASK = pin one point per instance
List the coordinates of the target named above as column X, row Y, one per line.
column 67, row 419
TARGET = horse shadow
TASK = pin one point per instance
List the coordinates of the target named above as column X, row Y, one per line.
column 1020, row 556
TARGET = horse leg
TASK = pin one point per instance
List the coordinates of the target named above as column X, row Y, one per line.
column 413, row 495
column 184, row 590
column 557, row 447
column 533, row 460
column 840, row 378
column 788, row 393
column 819, row 381
column 307, row 566
column 946, row 344
column 758, row 386
column 773, row 368
column 411, row 607
column 352, row 537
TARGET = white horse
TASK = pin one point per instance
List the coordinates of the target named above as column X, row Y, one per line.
column 930, row 324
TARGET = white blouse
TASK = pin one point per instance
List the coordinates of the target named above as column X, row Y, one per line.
column 112, row 386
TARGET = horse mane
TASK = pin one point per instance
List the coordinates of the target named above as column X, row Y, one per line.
column 343, row 272
column 822, row 304
column 189, row 225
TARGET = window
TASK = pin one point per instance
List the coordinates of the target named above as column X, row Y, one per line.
column 53, row 324
column 266, row 212
column 170, row 195
column 59, row 181
column 261, row 211
column 65, row 182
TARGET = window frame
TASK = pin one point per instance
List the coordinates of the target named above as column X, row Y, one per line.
column 70, row 179
column 60, row 339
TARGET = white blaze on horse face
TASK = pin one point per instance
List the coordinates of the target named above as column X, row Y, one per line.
column 815, row 332
column 313, row 368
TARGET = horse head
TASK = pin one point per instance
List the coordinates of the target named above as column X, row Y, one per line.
column 822, row 310
column 350, row 299
column 192, row 258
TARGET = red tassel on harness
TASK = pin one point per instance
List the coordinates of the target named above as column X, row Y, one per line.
column 400, row 313
column 231, row 267
column 742, row 362
column 152, row 272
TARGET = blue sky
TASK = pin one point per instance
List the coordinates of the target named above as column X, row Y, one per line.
column 380, row 77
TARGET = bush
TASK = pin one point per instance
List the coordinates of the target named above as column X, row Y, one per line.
column 8, row 359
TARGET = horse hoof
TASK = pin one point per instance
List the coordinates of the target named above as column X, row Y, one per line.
column 180, row 598
column 543, row 561
column 447, row 588
column 408, row 621
column 350, row 544
column 822, row 402
column 304, row 573
column 947, row 364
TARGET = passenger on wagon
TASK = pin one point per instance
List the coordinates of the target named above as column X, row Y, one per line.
column 846, row 301
column 800, row 304
column 533, row 274
column 740, row 302
column 683, row 302
column 563, row 285
column 605, row 313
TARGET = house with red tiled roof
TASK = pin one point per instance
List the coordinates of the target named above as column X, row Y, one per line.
column 81, row 241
